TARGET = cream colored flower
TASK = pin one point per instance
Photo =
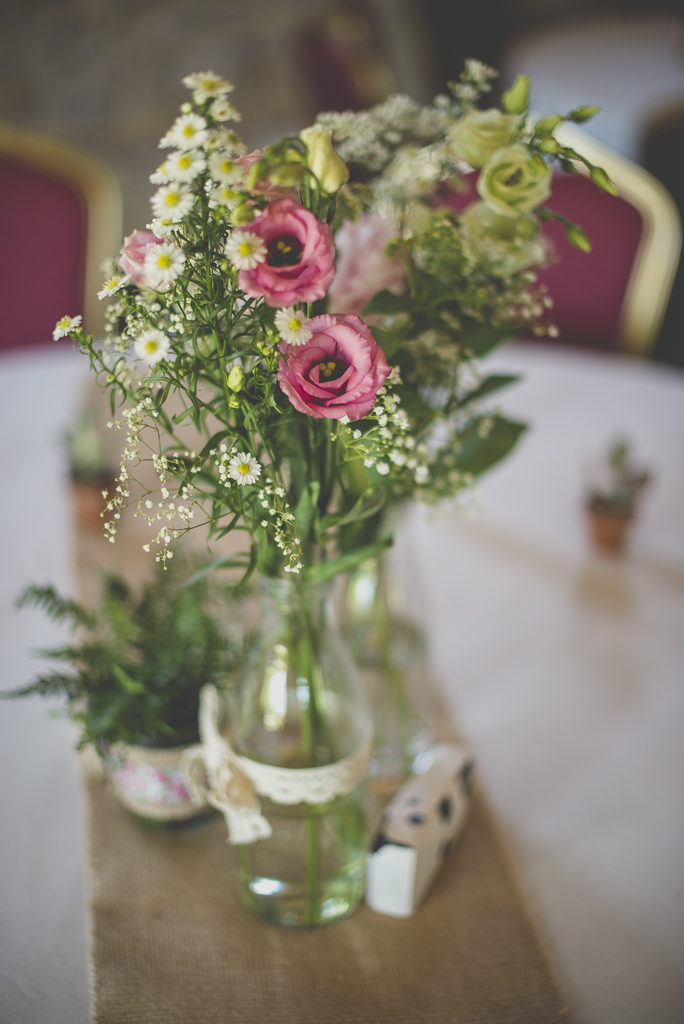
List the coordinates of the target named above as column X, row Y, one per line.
column 331, row 171
column 480, row 134
column 502, row 245
column 514, row 181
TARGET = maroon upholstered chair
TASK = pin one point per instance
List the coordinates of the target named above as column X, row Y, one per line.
column 60, row 215
column 613, row 298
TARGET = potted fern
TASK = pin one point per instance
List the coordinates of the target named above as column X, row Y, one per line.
column 131, row 675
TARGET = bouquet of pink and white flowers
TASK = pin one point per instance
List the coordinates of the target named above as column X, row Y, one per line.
column 295, row 351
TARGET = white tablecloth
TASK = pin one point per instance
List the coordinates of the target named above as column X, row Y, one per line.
column 565, row 670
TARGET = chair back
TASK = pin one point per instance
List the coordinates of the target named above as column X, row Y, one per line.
column 60, row 217
column 615, row 297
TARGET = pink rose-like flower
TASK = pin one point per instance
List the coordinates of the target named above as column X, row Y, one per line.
column 362, row 266
column 133, row 255
column 265, row 188
column 337, row 372
column 300, row 260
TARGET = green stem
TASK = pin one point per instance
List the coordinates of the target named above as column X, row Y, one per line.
column 312, row 864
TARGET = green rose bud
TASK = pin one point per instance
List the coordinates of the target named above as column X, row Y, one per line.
column 549, row 145
column 480, row 134
column 577, row 237
column 258, row 171
column 236, row 379
column 547, row 124
column 580, row 114
column 514, row 181
column 527, row 227
column 516, row 100
column 243, row 214
column 323, row 160
column 501, row 245
column 600, row 178
column 288, row 174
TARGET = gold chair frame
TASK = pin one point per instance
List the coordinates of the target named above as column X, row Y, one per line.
column 101, row 193
column 657, row 256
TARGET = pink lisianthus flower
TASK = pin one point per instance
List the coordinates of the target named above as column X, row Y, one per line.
column 337, row 372
column 133, row 255
column 362, row 266
column 265, row 188
column 300, row 259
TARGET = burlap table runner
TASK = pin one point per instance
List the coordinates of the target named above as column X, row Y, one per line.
column 171, row 944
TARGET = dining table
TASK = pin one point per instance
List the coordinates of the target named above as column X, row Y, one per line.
column 563, row 667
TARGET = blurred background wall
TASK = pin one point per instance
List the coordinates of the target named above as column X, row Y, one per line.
column 105, row 74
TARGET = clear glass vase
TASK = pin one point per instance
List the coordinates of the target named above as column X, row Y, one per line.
column 300, row 704
column 391, row 651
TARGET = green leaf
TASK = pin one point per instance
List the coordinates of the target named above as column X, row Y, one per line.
column 306, row 509
column 481, row 339
column 345, row 563
column 478, row 454
column 387, row 303
column 238, row 561
column 214, row 442
column 490, row 384
column 129, row 684
column 370, row 502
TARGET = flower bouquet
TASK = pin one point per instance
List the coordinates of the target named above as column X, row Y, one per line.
column 296, row 403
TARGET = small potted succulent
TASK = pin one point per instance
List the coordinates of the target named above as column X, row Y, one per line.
column 89, row 469
column 131, row 677
column 613, row 492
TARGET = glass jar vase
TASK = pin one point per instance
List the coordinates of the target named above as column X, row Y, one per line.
column 300, row 707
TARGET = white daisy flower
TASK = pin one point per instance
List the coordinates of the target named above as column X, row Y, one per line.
column 222, row 110
column 65, row 326
column 185, row 165
column 225, row 170
column 164, row 263
column 226, row 196
column 153, row 346
column 206, row 84
column 112, row 286
column 245, row 250
column 187, row 132
column 244, row 469
column 161, row 228
column 161, row 175
column 172, row 202
column 292, row 326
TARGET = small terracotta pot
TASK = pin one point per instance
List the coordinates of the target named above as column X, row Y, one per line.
column 88, row 501
column 609, row 531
